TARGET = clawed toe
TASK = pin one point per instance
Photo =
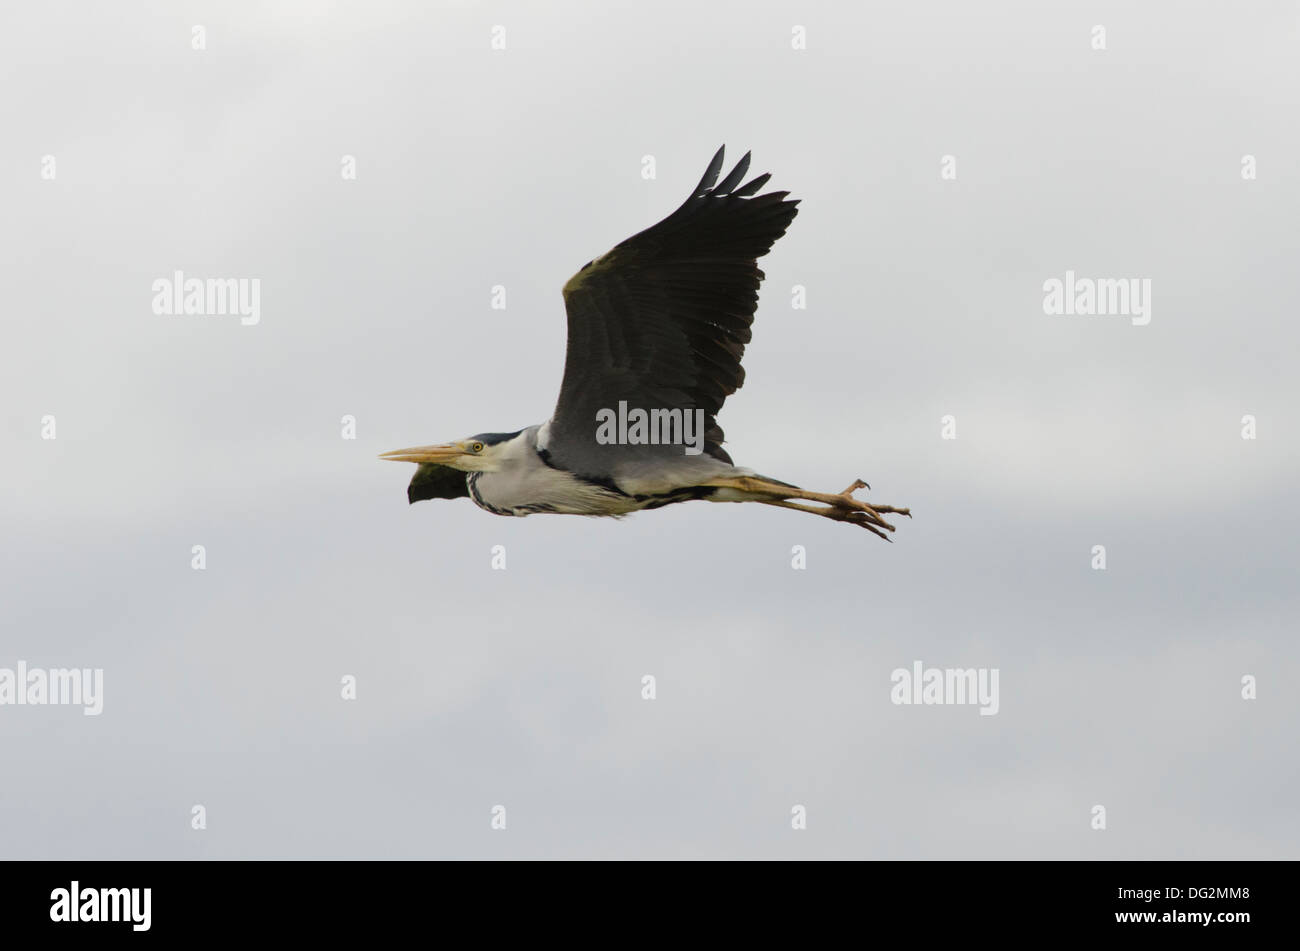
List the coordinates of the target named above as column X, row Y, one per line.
column 844, row 507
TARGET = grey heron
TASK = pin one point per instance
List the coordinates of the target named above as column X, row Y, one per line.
column 657, row 328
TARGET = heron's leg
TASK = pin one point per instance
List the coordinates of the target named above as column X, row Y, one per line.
column 843, row 501
column 835, row 514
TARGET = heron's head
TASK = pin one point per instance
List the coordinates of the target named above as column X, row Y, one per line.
column 475, row 454
column 441, row 469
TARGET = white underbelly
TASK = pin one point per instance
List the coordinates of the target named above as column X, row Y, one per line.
column 547, row 490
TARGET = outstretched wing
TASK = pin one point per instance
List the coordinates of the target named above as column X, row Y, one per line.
column 661, row 321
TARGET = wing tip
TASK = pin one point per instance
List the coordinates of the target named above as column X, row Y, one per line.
column 734, row 178
column 711, row 173
column 730, row 186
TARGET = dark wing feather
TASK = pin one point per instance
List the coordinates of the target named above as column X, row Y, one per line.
column 661, row 321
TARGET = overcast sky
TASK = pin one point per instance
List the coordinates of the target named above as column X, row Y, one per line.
column 522, row 687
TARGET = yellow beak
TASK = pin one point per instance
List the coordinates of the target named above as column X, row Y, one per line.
column 442, row 454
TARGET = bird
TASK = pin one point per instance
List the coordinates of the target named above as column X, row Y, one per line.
column 657, row 328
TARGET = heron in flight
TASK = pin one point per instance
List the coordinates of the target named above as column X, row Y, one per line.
column 657, row 329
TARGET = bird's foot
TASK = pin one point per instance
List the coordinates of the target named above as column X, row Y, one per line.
column 846, row 500
column 865, row 517
column 843, row 507
column 839, row 507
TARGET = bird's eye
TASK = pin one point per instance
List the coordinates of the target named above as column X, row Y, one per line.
column 476, row 447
